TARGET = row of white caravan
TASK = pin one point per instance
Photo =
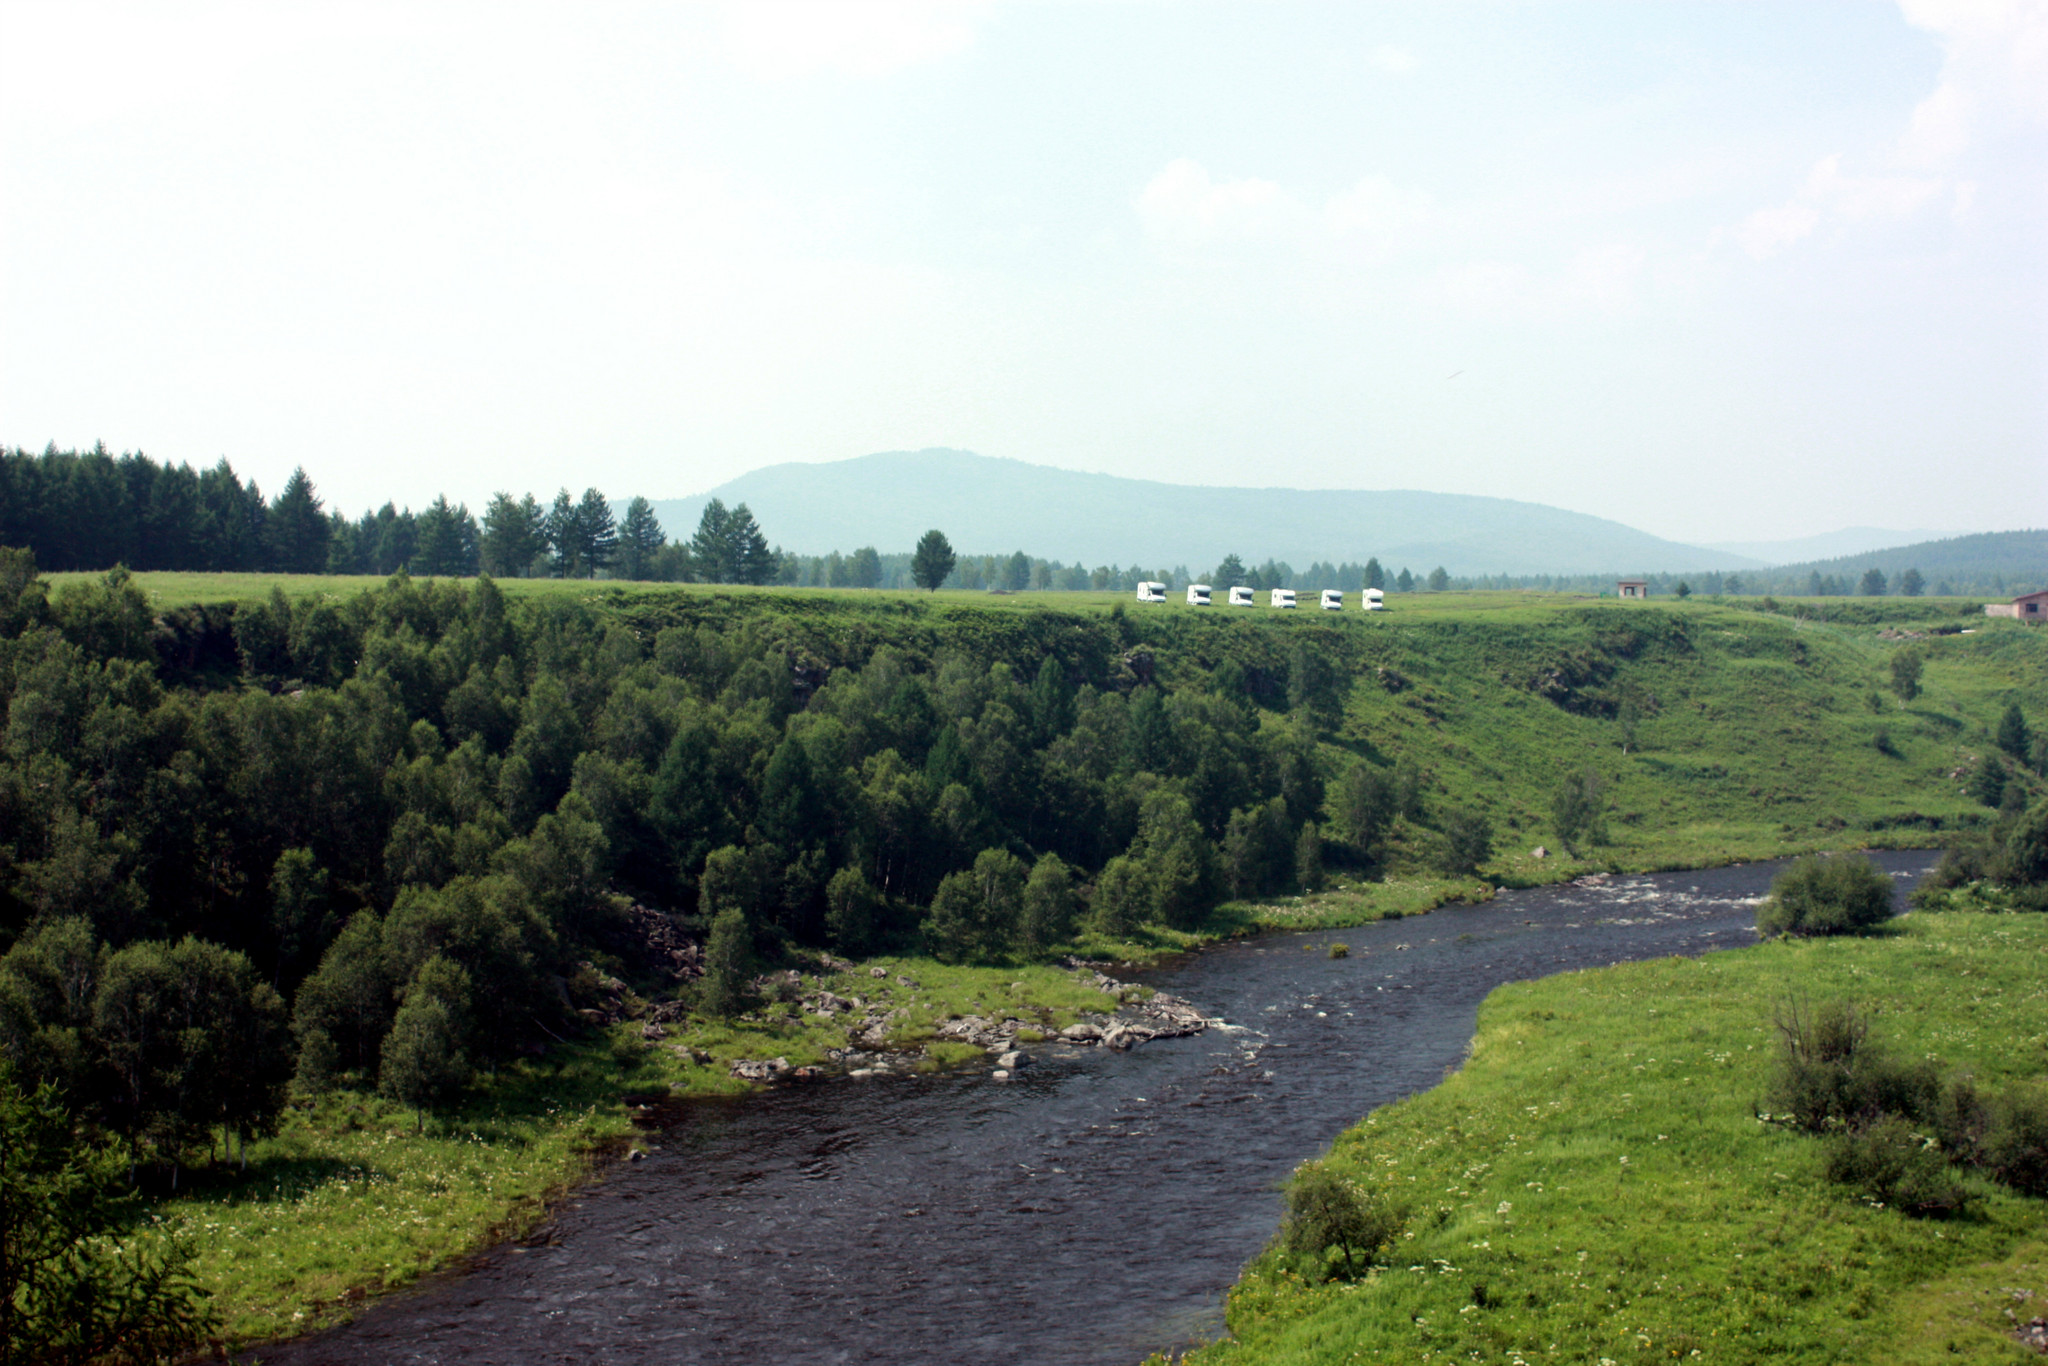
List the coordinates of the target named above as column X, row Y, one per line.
column 1199, row 595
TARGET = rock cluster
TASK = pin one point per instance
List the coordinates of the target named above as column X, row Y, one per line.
column 2033, row 1333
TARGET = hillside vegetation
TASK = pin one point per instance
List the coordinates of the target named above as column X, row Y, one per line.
column 420, row 857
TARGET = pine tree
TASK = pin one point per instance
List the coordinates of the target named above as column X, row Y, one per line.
column 1229, row 572
column 710, row 548
column 640, row 540
column 514, row 536
column 295, row 532
column 751, row 560
column 1375, row 577
column 1439, row 579
column 445, row 542
column 1873, row 584
column 564, row 538
column 1405, row 583
column 1911, row 584
column 933, row 560
column 2012, row 732
column 597, row 534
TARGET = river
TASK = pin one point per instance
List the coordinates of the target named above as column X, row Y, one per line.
column 1092, row 1210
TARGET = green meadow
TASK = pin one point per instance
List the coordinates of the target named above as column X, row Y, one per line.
column 1596, row 1185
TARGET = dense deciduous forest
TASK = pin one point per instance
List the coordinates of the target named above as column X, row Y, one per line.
column 378, row 835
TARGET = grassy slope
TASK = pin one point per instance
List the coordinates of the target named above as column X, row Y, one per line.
column 1759, row 744
column 1598, row 1168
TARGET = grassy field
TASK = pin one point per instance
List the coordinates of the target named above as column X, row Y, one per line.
column 1594, row 1185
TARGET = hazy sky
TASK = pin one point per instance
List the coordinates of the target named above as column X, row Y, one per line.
column 1722, row 270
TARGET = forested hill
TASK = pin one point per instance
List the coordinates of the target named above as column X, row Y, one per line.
column 984, row 504
column 1995, row 561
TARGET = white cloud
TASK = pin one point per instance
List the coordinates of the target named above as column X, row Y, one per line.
column 1398, row 61
column 1995, row 69
column 1186, row 209
column 792, row 39
column 1769, row 231
column 1184, row 206
column 1829, row 193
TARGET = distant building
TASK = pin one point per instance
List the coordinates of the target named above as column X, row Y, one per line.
column 2031, row 608
column 1632, row 588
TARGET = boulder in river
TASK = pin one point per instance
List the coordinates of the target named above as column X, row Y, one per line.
column 760, row 1069
column 1081, row 1032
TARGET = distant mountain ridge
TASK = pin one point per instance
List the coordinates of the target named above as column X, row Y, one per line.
column 2018, row 558
column 986, row 504
column 1854, row 540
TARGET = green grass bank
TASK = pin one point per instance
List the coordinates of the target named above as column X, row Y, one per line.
column 1594, row 1185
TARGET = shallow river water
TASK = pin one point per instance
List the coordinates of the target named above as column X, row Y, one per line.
column 1093, row 1210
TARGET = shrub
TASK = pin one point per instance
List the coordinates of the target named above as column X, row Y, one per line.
column 2015, row 1143
column 1578, row 811
column 1327, row 1213
column 1468, row 842
column 1888, row 1162
column 1830, row 1075
column 1839, row 895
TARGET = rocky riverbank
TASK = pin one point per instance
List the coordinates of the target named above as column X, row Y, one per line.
column 881, row 1038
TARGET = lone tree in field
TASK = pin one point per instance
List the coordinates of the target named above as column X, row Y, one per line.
column 1840, row 895
column 1439, row 579
column 1906, row 675
column 728, row 965
column 1578, row 811
column 1326, row 1213
column 2012, row 732
column 426, row 1058
column 933, row 561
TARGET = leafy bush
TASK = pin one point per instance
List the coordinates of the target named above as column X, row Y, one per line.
column 1888, row 1162
column 78, row 1282
column 1843, row 894
column 1328, row 1214
column 2015, row 1143
column 1831, row 1075
column 1578, row 811
column 1468, row 842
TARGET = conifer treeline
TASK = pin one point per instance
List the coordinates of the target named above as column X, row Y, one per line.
column 92, row 510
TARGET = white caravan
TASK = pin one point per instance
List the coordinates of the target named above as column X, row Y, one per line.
column 1333, row 599
column 1240, row 597
column 1198, row 595
column 1283, row 597
column 1151, row 592
column 1375, row 600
